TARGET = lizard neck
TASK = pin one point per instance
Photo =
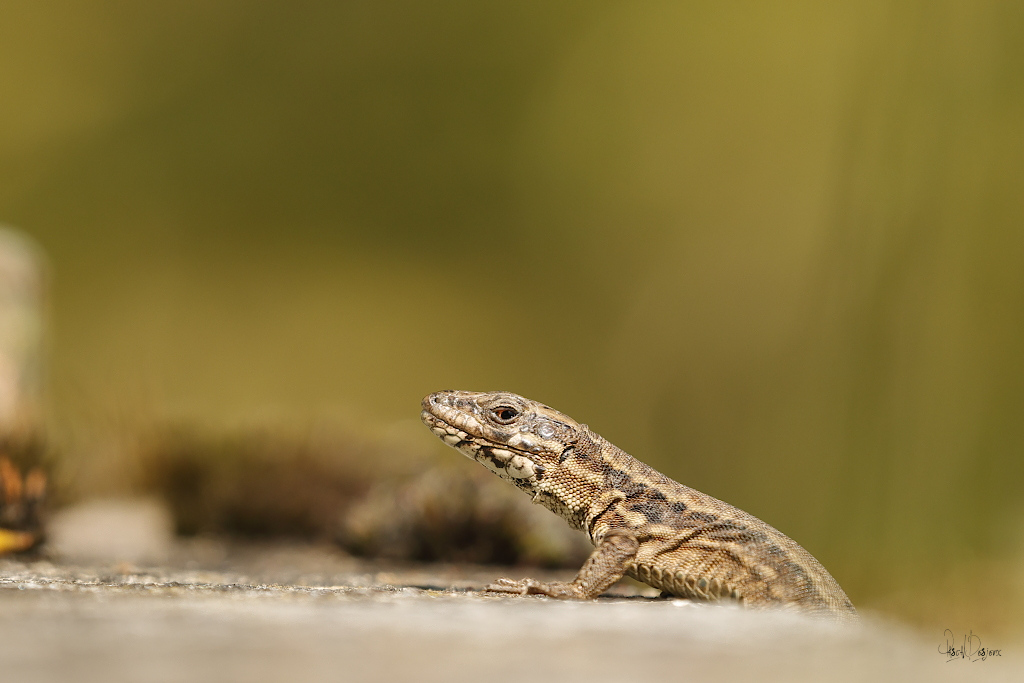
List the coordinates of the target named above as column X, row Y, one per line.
column 570, row 489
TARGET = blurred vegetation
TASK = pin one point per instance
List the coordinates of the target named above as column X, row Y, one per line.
column 325, row 486
column 774, row 249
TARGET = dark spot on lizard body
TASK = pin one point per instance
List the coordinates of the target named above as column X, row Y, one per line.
column 678, row 507
column 653, row 511
column 621, row 481
column 705, row 517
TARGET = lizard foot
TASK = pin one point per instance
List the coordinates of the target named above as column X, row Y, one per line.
column 534, row 587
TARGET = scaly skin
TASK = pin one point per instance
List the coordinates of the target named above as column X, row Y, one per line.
column 642, row 523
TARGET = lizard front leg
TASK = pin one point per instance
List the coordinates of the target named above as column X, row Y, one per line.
column 604, row 567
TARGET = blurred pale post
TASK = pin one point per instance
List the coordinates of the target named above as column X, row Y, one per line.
column 21, row 337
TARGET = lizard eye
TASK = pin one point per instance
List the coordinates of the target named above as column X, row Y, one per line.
column 505, row 414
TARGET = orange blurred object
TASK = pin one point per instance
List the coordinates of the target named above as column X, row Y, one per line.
column 21, row 502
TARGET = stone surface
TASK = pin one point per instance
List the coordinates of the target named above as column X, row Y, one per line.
column 252, row 613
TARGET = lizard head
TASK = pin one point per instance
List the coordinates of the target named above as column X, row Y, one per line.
column 514, row 437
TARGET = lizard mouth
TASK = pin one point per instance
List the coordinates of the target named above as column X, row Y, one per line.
column 505, row 462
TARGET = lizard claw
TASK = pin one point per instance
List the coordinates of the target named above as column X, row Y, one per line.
column 535, row 587
column 504, row 585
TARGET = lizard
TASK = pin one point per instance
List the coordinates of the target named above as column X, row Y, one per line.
column 642, row 523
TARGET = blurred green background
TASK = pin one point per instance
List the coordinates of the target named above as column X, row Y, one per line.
column 774, row 249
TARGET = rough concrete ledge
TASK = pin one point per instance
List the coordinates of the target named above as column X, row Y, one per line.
column 335, row 619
